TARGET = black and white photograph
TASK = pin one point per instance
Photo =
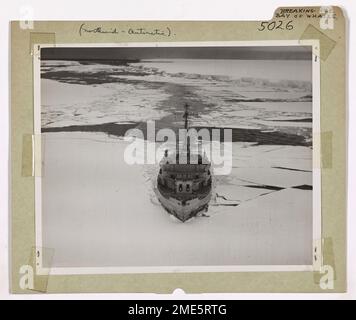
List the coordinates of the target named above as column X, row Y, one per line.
column 177, row 157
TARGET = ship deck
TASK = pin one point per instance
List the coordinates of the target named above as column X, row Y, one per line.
column 200, row 194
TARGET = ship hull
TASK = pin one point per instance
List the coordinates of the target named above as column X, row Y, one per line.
column 183, row 210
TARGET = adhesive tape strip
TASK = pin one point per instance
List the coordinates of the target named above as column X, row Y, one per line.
column 37, row 155
column 27, row 160
column 326, row 44
column 326, row 139
column 32, row 155
column 41, row 261
column 323, row 141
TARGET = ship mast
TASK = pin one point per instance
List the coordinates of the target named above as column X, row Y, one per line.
column 185, row 116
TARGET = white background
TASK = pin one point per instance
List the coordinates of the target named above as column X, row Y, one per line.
column 160, row 10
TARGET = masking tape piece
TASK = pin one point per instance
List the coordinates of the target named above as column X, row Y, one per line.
column 32, row 155
column 326, row 149
column 326, row 43
column 27, row 161
column 41, row 37
column 317, row 255
column 37, row 155
column 41, row 262
column 328, row 262
column 323, row 141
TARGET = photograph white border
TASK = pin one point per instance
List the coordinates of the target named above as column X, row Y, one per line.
column 317, row 229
